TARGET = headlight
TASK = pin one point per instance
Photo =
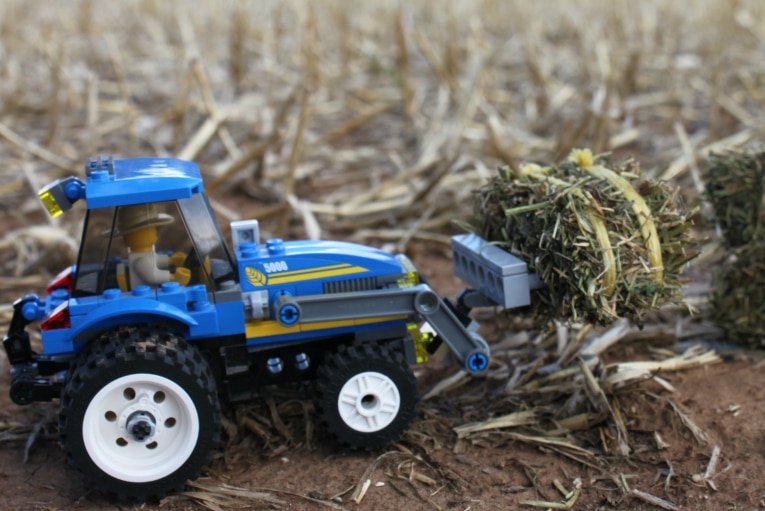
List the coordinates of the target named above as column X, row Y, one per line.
column 411, row 276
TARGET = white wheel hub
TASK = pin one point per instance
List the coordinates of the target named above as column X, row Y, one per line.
column 369, row 402
column 140, row 428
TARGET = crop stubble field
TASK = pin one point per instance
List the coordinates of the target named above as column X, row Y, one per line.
column 374, row 122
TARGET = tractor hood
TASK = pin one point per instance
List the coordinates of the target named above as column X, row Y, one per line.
column 310, row 266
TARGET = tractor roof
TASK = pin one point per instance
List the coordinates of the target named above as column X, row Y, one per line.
column 139, row 180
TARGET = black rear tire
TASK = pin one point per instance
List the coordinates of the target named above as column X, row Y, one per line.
column 139, row 413
column 367, row 395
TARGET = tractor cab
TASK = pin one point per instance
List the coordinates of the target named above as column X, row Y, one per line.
column 147, row 223
column 179, row 239
column 151, row 251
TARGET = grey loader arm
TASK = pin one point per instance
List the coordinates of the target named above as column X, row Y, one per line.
column 469, row 348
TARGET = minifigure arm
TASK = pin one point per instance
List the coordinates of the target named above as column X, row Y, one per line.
column 148, row 268
column 162, row 261
column 144, row 269
column 177, row 260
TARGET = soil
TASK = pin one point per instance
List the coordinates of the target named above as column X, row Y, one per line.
column 726, row 401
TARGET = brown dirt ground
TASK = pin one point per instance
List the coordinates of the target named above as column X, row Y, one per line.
column 725, row 400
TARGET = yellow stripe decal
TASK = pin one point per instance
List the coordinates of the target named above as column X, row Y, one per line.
column 309, row 270
column 315, row 273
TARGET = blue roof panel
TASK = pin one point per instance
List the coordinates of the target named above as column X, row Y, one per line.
column 142, row 180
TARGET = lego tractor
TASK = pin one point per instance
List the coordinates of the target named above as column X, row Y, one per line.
column 159, row 322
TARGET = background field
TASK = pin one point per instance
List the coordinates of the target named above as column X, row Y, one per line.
column 373, row 121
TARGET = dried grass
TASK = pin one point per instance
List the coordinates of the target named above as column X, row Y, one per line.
column 554, row 401
column 384, row 103
column 736, row 187
column 738, row 301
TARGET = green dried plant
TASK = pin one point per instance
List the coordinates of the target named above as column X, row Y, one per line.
column 738, row 301
column 606, row 242
column 735, row 189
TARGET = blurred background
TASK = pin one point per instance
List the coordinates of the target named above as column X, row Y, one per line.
column 371, row 120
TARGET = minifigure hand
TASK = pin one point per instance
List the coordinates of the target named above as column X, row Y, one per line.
column 181, row 275
column 177, row 260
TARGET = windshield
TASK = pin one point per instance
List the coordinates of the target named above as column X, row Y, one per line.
column 207, row 239
column 91, row 278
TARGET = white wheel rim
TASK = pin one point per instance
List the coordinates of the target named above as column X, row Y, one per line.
column 369, row 402
column 118, row 452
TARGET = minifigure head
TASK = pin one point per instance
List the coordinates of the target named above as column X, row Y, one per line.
column 138, row 225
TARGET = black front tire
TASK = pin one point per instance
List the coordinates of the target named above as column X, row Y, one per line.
column 367, row 395
column 139, row 414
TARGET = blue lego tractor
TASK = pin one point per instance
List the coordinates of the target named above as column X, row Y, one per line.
column 159, row 322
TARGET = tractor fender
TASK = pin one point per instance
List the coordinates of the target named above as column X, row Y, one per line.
column 128, row 312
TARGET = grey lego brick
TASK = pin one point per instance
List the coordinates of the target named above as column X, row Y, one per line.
column 493, row 272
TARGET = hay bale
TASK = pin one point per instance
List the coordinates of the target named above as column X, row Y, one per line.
column 606, row 242
column 735, row 189
column 738, row 301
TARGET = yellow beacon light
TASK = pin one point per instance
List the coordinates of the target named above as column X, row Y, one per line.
column 59, row 196
column 50, row 203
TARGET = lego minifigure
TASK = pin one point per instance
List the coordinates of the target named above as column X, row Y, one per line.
column 138, row 227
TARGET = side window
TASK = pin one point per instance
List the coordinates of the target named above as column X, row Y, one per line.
column 92, row 262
